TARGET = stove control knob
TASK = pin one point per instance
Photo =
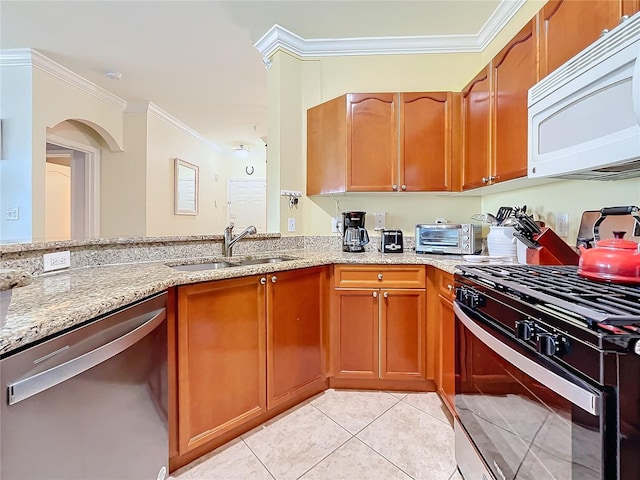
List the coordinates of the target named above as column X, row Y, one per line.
column 524, row 330
column 550, row 344
column 476, row 300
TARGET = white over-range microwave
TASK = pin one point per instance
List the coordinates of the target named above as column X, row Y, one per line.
column 584, row 118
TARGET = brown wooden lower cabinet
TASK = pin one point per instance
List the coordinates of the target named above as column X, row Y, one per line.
column 378, row 333
column 441, row 332
column 246, row 345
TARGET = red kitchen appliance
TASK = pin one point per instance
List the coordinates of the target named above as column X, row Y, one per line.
column 614, row 260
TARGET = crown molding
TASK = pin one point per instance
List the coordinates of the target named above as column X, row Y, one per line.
column 27, row 57
column 279, row 38
column 156, row 111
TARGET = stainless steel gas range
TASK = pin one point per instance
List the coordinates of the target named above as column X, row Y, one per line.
column 547, row 375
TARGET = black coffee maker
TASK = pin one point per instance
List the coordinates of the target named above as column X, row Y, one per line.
column 354, row 235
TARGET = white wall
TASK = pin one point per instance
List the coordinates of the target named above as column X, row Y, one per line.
column 15, row 164
column 58, row 202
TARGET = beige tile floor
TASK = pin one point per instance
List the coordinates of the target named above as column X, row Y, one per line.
column 340, row 434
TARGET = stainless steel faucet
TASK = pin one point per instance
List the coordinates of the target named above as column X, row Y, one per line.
column 228, row 240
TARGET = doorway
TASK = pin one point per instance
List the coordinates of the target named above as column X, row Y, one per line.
column 72, row 198
column 247, row 203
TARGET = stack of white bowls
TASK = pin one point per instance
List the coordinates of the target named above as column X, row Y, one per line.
column 501, row 242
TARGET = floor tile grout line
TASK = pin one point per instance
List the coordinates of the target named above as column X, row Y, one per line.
column 378, row 416
column 424, row 411
column 258, row 458
column 382, row 456
column 334, row 421
column 325, row 457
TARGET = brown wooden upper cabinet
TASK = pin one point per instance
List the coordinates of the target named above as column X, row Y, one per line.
column 566, row 27
column 381, row 142
column 495, row 114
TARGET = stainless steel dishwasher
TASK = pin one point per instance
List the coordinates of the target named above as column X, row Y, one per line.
column 91, row 403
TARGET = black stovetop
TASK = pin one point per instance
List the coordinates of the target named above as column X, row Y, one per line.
column 597, row 303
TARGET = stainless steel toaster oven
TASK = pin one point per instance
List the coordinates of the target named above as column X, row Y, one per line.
column 450, row 238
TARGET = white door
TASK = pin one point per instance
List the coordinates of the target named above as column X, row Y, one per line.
column 247, row 203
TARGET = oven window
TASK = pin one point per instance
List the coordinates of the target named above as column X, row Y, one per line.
column 439, row 237
column 522, row 429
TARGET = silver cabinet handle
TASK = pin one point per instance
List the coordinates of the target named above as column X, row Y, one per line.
column 604, row 32
column 379, row 276
column 263, row 281
column 404, row 187
column 385, row 294
column 375, row 294
column 449, row 287
column 30, row 386
column 395, row 187
column 274, row 279
column 485, row 179
column 624, row 18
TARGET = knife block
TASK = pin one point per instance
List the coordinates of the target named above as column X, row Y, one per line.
column 552, row 250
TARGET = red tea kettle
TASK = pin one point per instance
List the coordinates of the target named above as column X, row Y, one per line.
column 614, row 260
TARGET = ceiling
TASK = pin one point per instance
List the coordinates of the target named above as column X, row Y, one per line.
column 196, row 59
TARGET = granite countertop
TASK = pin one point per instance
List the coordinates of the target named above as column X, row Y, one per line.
column 11, row 278
column 54, row 302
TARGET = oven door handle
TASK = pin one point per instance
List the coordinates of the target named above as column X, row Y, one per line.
column 578, row 396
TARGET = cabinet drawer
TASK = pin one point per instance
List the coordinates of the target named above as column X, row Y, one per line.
column 375, row 276
column 445, row 285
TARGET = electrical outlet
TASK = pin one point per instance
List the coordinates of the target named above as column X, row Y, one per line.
column 335, row 221
column 562, row 224
column 379, row 220
column 56, row 261
column 291, row 224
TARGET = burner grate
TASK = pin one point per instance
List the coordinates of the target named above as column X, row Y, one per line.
column 596, row 302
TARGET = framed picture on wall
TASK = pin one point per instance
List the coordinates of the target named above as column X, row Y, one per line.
column 186, row 188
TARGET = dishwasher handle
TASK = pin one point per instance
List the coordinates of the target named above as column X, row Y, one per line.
column 30, row 386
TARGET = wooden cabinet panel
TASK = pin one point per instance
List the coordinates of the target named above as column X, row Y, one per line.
column 445, row 285
column 426, row 141
column 221, row 349
column 295, row 306
column 568, row 26
column 355, row 334
column 447, row 353
column 380, row 142
column 377, row 276
column 630, row 7
column 372, row 140
column 514, row 71
column 475, row 131
column 402, row 334
column 327, row 147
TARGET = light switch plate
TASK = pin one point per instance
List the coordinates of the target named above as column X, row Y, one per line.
column 291, row 225
column 562, row 224
column 379, row 220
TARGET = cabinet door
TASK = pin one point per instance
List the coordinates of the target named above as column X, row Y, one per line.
column 221, row 357
column 372, row 142
column 630, row 7
column 447, row 353
column 425, row 141
column 295, row 306
column 355, row 334
column 514, row 72
column 568, row 26
column 475, row 131
column 327, row 147
column 403, row 335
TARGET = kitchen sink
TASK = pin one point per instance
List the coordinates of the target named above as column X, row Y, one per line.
column 258, row 261
column 196, row 267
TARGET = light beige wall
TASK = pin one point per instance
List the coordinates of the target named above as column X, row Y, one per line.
column 54, row 101
column 570, row 196
column 123, row 182
column 164, row 143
